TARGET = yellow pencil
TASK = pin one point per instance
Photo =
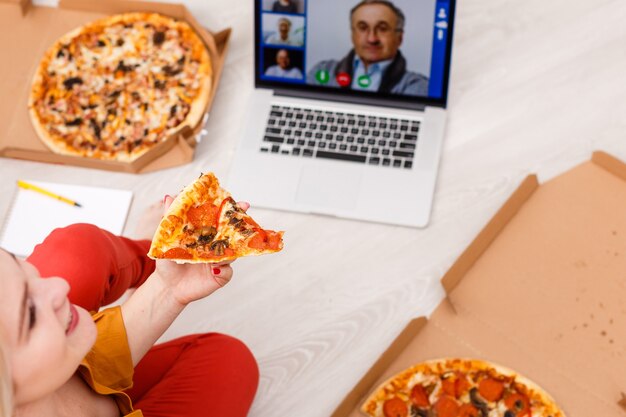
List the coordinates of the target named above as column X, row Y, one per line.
column 28, row 186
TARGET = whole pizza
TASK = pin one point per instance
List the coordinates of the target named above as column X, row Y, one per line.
column 459, row 388
column 114, row 88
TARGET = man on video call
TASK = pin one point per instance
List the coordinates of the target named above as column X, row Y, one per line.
column 283, row 67
column 375, row 63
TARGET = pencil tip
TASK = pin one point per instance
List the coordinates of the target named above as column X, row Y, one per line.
column 77, row 205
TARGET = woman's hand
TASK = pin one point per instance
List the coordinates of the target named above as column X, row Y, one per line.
column 152, row 308
column 190, row 282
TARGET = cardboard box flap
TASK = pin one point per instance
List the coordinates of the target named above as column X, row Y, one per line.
column 24, row 4
column 541, row 291
column 354, row 398
column 208, row 40
column 552, row 285
column 610, row 163
column 489, row 233
column 221, row 38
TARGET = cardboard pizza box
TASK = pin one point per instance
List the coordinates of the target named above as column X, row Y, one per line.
column 27, row 31
column 541, row 290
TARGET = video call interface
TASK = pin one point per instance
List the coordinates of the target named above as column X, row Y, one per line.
column 386, row 47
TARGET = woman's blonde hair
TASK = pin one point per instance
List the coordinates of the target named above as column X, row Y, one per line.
column 6, row 383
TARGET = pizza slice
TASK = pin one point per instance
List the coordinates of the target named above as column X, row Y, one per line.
column 205, row 224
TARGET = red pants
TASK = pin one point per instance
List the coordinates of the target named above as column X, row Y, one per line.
column 198, row 375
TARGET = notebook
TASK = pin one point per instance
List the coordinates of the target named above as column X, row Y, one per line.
column 32, row 216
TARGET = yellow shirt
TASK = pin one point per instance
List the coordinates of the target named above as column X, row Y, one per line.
column 108, row 367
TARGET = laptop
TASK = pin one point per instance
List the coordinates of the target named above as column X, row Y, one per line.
column 348, row 112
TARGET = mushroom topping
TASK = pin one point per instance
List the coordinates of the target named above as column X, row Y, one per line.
column 207, row 234
column 171, row 71
column 478, row 402
column 235, row 221
column 218, row 247
column 96, row 128
column 123, row 67
column 158, row 38
column 71, row 82
column 418, row 412
column 246, row 232
column 75, row 122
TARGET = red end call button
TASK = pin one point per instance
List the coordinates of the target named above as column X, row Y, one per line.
column 343, row 79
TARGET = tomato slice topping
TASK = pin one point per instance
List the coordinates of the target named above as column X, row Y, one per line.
column 518, row 404
column 468, row 410
column 448, row 386
column 251, row 222
column 462, row 385
column 265, row 239
column 273, row 240
column 419, row 397
column 446, row 406
column 219, row 210
column 177, row 253
column 491, row 389
column 203, row 215
column 257, row 241
column 395, row 407
column 455, row 385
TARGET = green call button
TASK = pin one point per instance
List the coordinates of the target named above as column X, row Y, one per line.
column 322, row 76
column 364, row 81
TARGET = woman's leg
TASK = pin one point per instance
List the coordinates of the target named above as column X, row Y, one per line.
column 198, row 375
column 98, row 265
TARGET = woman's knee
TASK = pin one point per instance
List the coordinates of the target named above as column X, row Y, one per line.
column 78, row 242
column 235, row 354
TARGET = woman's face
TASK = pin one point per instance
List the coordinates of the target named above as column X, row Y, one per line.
column 46, row 336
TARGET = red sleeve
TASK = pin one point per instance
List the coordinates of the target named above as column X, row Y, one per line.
column 98, row 265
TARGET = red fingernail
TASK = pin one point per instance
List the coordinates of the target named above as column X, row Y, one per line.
column 216, row 271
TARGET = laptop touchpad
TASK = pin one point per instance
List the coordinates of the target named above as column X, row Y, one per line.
column 329, row 187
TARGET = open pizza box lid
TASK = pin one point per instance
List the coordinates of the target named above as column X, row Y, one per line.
column 541, row 290
column 27, row 31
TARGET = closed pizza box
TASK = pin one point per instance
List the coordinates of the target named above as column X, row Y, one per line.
column 541, row 290
column 27, row 31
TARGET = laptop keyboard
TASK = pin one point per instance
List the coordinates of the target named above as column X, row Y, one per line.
column 308, row 133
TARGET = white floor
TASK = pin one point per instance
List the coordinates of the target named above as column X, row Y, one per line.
column 536, row 86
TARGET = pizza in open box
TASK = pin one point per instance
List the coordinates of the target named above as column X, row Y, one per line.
column 116, row 87
column 459, row 388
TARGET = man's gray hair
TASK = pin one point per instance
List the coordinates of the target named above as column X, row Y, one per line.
column 396, row 10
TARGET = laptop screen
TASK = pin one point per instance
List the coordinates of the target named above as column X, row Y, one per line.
column 393, row 50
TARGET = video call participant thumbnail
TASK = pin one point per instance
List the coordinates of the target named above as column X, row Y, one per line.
column 283, row 67
column 284, row 35
column 285, row 6
column 375, row 62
